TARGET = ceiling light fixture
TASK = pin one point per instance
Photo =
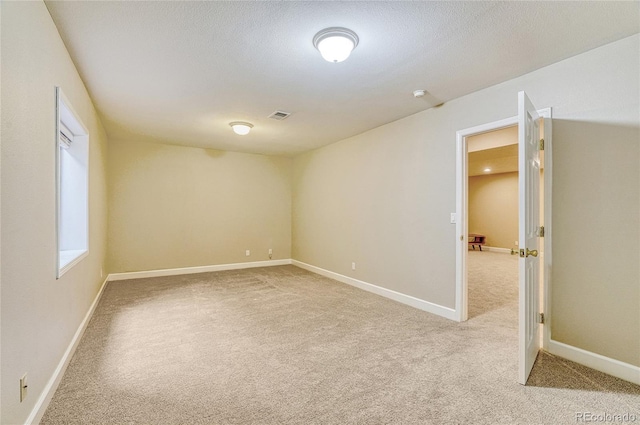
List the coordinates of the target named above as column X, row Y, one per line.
column 335, row 44
column 487, row 170
column 240, row 127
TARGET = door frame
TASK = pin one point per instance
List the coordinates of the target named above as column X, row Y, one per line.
column 462, row 216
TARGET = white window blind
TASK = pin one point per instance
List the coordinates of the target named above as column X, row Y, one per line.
column 66, row 136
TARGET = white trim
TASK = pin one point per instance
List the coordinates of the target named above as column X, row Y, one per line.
column 461, row 310
column 595, row 361
column 198, row 269
column 495, row 249
column 462, row 177
column 387, row 293
column 437, row 309
column 66, row 116
column 50, row 388
column 65, row 268
column 547, row 115
column 59, row 95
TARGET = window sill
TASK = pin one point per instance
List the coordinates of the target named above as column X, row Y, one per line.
column 70, row 258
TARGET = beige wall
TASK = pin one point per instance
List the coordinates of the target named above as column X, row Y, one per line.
column 596, row 291
column 493, row 208
column 383, row 198
column 369, row 200
column 493, row 139
column 172, row 206
column 40, row 314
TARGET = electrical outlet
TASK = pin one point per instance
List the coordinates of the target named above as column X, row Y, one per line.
column 270, row 251
column 23, row 387
column 353, row 266
column 453, row 218
column 247, row 253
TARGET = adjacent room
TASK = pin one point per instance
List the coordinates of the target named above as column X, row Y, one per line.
column 300, row 212
column 493, row 219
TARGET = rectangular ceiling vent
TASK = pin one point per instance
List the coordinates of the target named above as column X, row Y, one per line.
column 279, row 115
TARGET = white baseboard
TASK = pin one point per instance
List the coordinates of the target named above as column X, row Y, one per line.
column 446, row 312
column 50, row 388
column 52, row 385
column 503, row 250
column 595, row 361
column 199, row 269
column 494, row 249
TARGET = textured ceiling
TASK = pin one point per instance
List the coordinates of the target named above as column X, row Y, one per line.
column 179, row 72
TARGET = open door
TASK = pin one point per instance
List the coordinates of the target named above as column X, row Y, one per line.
column 529, row 186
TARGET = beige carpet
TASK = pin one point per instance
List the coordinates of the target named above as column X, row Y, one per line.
column 281, row 345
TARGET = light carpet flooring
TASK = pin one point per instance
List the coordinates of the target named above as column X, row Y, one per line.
column 280, row 345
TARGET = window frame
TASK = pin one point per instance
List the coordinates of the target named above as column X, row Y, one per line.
column 67, row 117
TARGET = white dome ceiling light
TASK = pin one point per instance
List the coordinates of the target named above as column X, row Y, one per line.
column 419, row 93
column 335, row 44
column 240, row 127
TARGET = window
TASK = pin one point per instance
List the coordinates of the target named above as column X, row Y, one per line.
column 72, row 148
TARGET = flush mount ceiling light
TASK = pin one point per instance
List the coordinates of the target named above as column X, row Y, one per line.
column 487, row 170
column 241, row 127
column 335, row 44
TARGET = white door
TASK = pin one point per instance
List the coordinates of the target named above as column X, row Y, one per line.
column 529, row 186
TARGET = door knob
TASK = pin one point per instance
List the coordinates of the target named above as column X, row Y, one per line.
column 533, row 253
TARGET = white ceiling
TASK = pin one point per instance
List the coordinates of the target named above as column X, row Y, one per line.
column 179, row 72
column 496, row 150
column 500, row 160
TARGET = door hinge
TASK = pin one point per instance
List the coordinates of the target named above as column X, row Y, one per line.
column 541, row 232
column 541, row 144
column 541, row 318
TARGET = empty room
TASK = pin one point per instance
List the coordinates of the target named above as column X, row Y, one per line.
column 289, row 212
column 493, row 220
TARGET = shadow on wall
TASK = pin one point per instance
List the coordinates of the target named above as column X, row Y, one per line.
column 596, row 193
column 596, row 235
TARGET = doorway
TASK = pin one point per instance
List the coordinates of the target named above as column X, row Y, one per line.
column 492, row 267
column 533, row 274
